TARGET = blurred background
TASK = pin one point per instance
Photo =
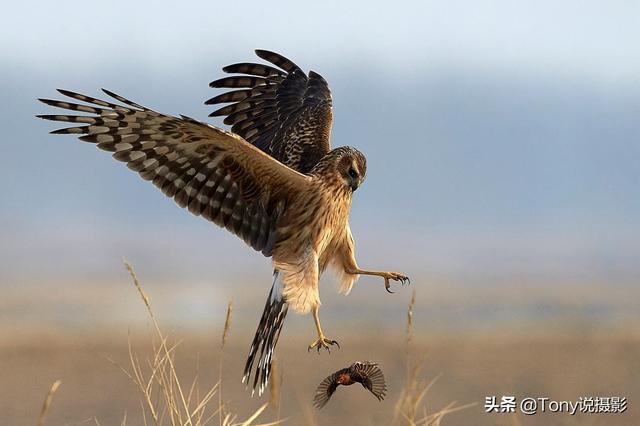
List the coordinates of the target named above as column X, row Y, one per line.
column 502, row 147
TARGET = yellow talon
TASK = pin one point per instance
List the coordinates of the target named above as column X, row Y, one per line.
column 323, row 342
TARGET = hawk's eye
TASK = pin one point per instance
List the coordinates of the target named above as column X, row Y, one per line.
column 353, row 173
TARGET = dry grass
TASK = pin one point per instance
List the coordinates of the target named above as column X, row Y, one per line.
column 167, row 400
column 47, row 402
column 173, row 388
column 472, row 367
column 410, row 409
column 225, row 332
column 165, row 397
column 274, row 386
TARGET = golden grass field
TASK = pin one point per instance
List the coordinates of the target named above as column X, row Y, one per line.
column 458, row 370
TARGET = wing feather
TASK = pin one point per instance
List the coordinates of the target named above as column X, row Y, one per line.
column 326, row 388
column 285, row 113
column 371, row 377
column 210, row 172
column 253, row 69
column 277, row 60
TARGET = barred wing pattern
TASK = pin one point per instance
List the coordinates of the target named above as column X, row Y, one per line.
column 282, row 111
column 213, row 173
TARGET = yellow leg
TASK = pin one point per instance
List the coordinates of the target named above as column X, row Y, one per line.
column 396, row 276
column 322, row 341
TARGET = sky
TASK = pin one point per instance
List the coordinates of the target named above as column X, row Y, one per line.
column 501, row 136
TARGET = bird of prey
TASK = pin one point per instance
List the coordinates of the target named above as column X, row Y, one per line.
column 368, row 374
column 273, row 180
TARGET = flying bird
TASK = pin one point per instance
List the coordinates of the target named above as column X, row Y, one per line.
column 368, row 374
column 273, row 180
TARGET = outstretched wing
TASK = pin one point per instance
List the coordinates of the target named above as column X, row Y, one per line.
column 213, row 173
column 371, row 377
column 326, row 388
column 282, row 111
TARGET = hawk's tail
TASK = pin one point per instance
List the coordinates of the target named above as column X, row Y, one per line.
column 266, row 338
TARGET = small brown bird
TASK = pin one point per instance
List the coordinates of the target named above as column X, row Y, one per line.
column 366, row 373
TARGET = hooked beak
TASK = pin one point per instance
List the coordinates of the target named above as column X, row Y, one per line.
column 355, row 184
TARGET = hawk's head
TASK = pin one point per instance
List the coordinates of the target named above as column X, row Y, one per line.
column 347, row 165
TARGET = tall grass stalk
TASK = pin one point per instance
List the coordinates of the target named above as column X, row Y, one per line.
column 225, row 332
column 47, row 402
column 164, row 398
column 410, row 402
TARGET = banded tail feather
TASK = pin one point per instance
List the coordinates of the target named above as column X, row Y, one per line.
column 266, row 338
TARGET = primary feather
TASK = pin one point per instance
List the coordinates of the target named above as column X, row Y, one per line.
column 212, row 173
column 283, row 111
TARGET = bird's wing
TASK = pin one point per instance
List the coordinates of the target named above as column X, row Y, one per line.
column 282, row 111
column 213, row 173
column 326, row 388
column 371, row 377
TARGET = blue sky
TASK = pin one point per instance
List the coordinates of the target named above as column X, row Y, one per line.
column 502, row 137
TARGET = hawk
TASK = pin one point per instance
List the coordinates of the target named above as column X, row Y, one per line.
column 368, row 374
column 273, row 180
